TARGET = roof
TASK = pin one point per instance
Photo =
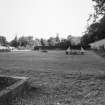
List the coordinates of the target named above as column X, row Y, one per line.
column 100, row 42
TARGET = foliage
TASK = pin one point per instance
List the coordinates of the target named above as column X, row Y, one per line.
column 22, row 41
column 3, row 40
column 96, row 31
column 51, row 43
column 14, row 42
column 42, row 42
column 99, row 6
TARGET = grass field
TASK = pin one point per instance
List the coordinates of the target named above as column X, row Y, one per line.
column 19, row 63
column 100, row 53
column 57, row 78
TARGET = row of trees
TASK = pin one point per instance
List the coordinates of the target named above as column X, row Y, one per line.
column 96, row 30
column 30, row 41
column 52, row 42
column 22, row 41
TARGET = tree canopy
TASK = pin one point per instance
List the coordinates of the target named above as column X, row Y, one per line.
column 96, row 30
column 99, row 8
column 3, row 40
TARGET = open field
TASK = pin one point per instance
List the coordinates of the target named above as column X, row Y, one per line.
column 55, row 61
column 57, row 78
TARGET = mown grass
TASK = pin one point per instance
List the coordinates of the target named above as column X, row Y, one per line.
column 67, row 90
column 57, row 78
column 100, row 53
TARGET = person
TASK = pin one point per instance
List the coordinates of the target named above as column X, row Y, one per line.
column 68, row 50
column 82, row 51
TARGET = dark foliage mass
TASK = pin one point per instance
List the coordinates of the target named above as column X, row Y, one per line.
column 50, row 43
column 96, row 31
column 3, row 40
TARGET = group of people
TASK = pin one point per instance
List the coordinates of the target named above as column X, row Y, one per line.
column 72, row 51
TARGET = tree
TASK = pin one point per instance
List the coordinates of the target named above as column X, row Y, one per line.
column 99, row 8
column 64, row 44
column 30, row 41
column 57, row 38
column 51, row 41
column 42, row 42
column 3, row 40
column 96, row 30
column 14, row 42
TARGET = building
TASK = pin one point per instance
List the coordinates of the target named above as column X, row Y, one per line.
column 98, row 44
column 74, row 40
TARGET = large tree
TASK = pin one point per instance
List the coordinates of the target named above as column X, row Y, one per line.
column 96, row 30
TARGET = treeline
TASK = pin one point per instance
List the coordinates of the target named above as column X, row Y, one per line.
column 28, row 42
column 96, row 30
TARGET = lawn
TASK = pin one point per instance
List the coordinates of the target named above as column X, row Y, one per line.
column 19, row 63
column 57, row 78
column 100, row 53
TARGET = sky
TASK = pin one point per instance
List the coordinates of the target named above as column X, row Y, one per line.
column 43, row 18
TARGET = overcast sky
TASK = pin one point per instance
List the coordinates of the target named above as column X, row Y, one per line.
column 43, row 18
